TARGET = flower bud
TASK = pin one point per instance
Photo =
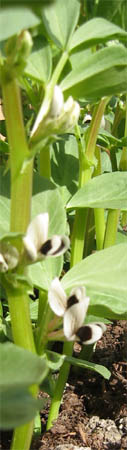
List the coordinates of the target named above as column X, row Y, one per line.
column 57, row 102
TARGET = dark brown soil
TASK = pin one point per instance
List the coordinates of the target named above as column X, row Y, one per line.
column 94, row 411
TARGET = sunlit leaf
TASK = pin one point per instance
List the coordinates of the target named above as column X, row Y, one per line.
column 106, row 191
column 103, row 73
column 60, row 20
column 94, row 31
column 104, row 274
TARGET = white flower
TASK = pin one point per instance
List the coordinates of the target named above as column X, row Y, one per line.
column 72, row 308
column 57, row 102
column 91, row 333
column 36, row 242
column 71, row 113
column 9, row 258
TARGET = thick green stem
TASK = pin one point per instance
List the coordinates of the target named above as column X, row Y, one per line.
column 22, row 437
column 21, row 191
column 111, row 227
column 60, row 384
column 21, row 183
column 45, row 163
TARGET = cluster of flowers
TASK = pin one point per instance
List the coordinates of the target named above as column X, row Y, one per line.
column 73, row 309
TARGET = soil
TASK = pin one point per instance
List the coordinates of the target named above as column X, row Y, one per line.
column 93, row 412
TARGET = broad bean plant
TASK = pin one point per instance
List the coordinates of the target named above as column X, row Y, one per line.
column 63, row 197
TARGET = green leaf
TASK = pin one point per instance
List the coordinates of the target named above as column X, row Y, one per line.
column 106, row 191
column 104, row 274
column 54, row 360
column 46, row 200
column 65, row 166
column 103, row 73
column 90, row 366
column 4, row 147
column 15, row 20
column 121, row 237
column 17, row 407
column 42, row 273
column 19, row 367
column 95, row 31
column 60, row 20
column 39, row 63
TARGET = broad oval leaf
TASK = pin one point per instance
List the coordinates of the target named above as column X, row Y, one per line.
column 39, row 63
column 104, row 274
column 94, row 31
column 106, row 191
column 17, row 407
column 60, row 20
column 101, row 74
column 14, row 20
column 19, row 367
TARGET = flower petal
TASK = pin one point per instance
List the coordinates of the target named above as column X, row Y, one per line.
column 36, row 235
column 75, row 313
column 55, row 246
column 57, row 102
column 57, row 297
column 88, row 334
column 3, row 264
column 11, row 256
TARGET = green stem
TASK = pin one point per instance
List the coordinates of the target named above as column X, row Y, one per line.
column 60, row 384
column 111, row 227
column 45, row 163
column 99, row 212
column 22, row 437
column 86, row 162
column 20, row 183
column 89, row 234
column 78, row 235
column 94, row 128
column 21, row 191
column 41, row 336
column 100, row 227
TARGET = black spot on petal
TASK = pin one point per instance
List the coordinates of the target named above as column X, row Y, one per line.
column 46, row 247
column 84, row 333
column 72, row 300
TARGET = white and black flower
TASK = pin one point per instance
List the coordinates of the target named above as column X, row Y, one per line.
column 73, row 309
column 36, row 242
